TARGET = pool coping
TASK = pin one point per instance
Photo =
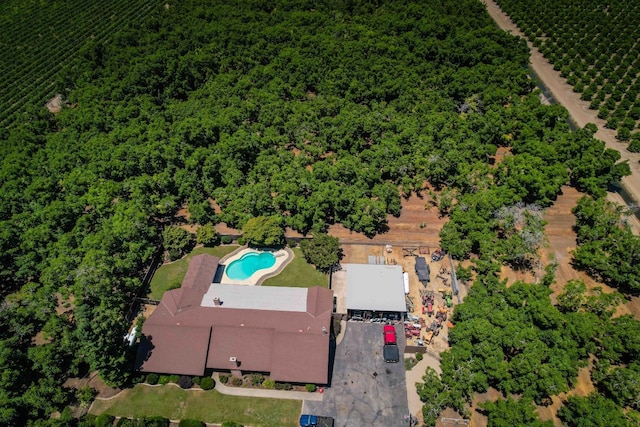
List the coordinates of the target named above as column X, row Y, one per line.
column 262, row 278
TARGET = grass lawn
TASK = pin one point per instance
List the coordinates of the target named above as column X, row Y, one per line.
column 299, row 274
column 170, row 276
column 208, row 406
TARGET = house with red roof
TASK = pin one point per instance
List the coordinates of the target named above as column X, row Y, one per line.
column 279, row 331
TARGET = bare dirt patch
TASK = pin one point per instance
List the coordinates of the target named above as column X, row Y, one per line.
column 94, row 381
column 54, row 105
column 562, row 240
column 583, row 387
column 405, row 230
column 477, row 418
column 501, row 153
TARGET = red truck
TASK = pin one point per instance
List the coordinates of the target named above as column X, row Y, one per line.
column 390, row 350
column 389, row 334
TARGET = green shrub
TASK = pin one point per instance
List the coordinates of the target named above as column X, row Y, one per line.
column 85, row 395
column 256, row 379
column 235, row 381
column 191, row 423
column 634, row 146
column 174, row 379
column 464, row 274
column 164, row 379
column 292, row 243
column 310, row 388
column 104, row 420
column 241, row 241
column 152, row 379
column 623, row 134
column 226, row 240
column 279, row 386
column 419, row 356
column 207, row 383
column 89, row 420
column 174, row 254
column 231, row 424
column 224, row 379
column 156, row 421
column 268, row 384
column 126, row 422
column 287, row 386
column 195, row 380
column 409, row 363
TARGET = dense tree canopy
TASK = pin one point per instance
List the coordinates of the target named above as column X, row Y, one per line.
column 514, row 340
column 593, row 411
column 607, row 250
column 308, row 114
column 509, row 412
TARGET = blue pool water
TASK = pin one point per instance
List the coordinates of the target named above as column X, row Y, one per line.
column 249, row 263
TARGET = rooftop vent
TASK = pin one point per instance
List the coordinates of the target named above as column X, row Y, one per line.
column 216, row 301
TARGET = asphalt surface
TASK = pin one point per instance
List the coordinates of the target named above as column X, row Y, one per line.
column 364, row 390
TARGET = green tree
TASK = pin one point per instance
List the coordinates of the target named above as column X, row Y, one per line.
column 623, row 385
column 207, row 235
column 507, row 413
column 176, row 240
column 322, row 250
column 264, row 231
column 435, row 396
column 572, row 296
column 607, row 250
column 592, row 411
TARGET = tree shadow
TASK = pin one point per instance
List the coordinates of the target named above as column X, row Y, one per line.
column 145, row 350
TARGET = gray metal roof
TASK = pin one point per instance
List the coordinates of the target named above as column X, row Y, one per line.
column 257, row 297
column 375, row 287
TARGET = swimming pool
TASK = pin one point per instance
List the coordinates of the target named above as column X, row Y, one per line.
column 248, row 264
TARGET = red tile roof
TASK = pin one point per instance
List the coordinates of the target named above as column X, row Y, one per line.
column 252, row 347
column 300, row 358
column 174, row 349
column 202, row 269
column 292, row 346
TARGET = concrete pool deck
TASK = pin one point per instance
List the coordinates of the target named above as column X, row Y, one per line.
column 283, row 257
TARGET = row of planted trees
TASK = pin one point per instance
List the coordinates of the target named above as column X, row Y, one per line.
column 41, row 41
column 594, row 46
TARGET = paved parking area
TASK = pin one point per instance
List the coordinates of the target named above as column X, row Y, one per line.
column 364, row 391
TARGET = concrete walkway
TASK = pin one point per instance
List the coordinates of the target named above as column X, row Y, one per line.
column 415, row 376
column 259, row 392
column 343, row 330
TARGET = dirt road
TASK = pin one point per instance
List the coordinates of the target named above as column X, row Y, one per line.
column 578, row 109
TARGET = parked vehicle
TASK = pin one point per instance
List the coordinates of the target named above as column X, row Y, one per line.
column 315, row 421
column 390, row 353
column 437, row 255
column 390, row 350
column 389, row 334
